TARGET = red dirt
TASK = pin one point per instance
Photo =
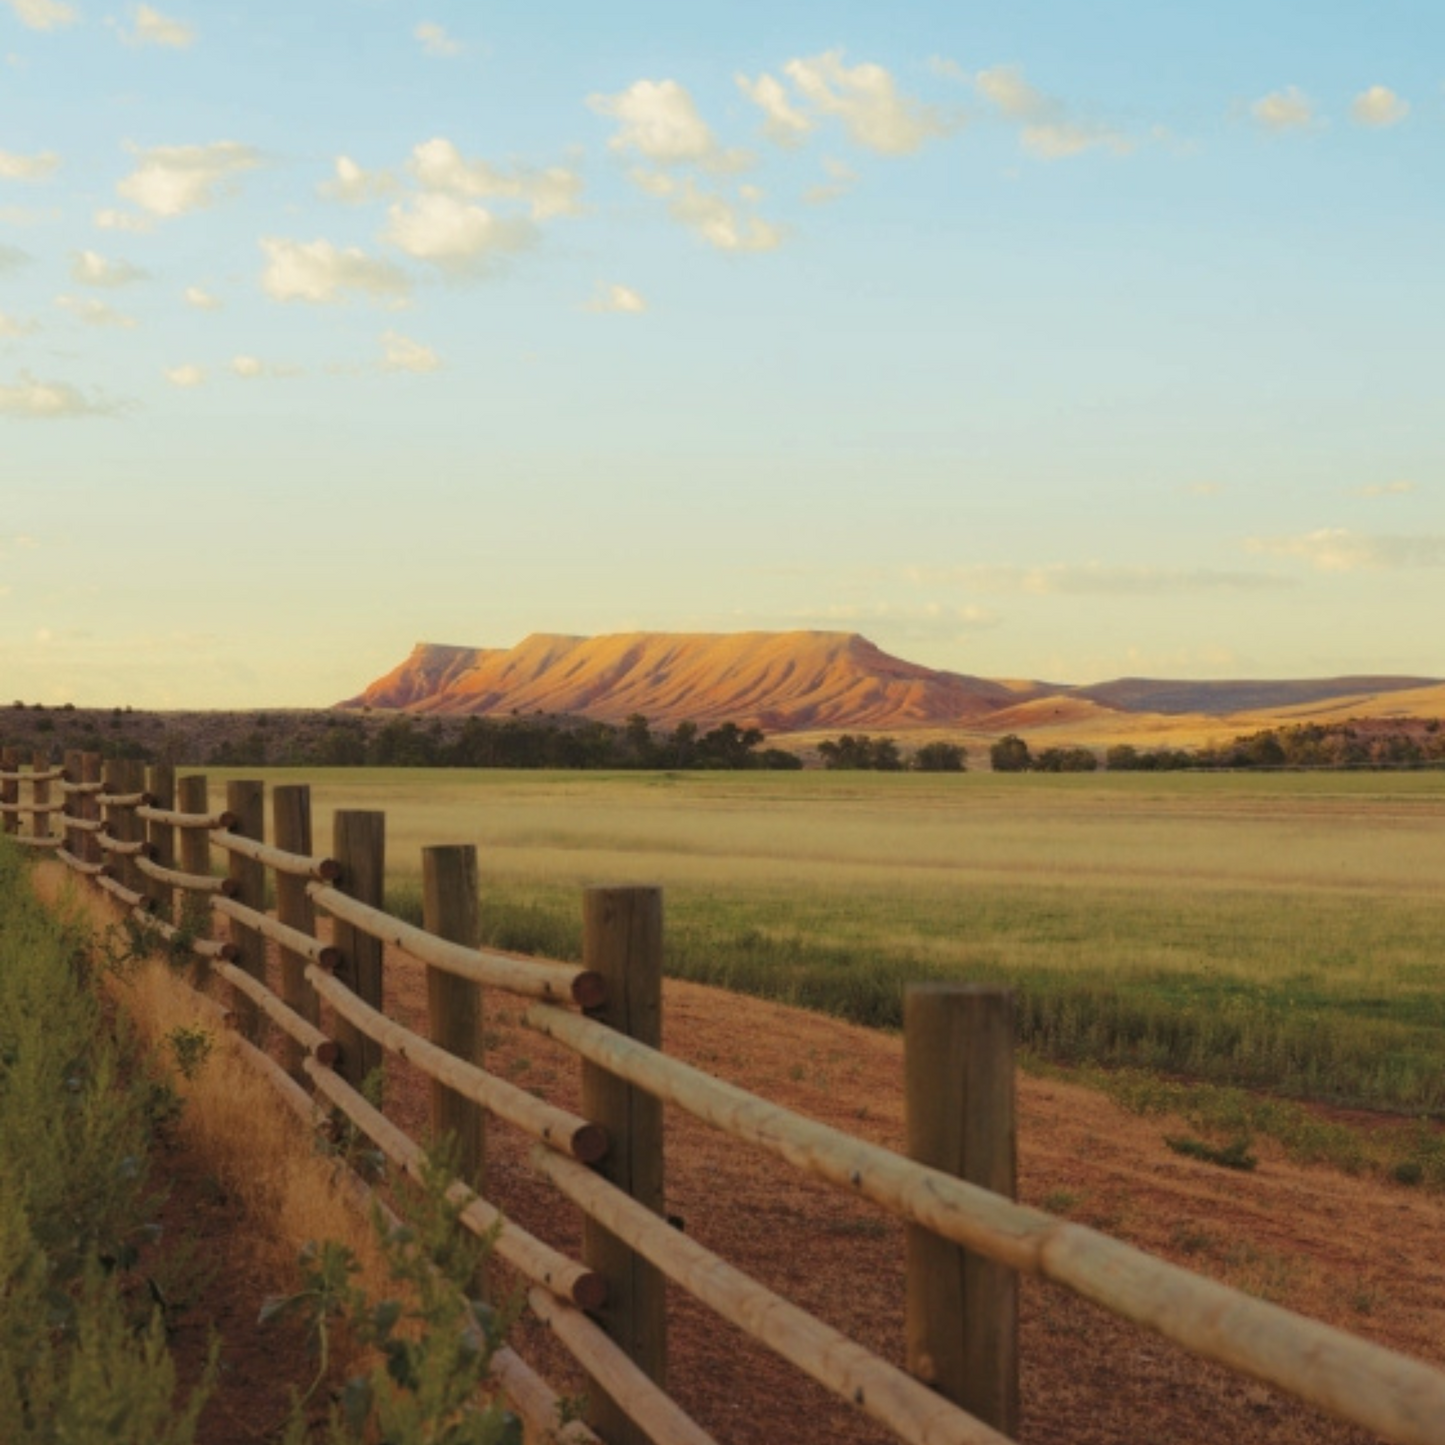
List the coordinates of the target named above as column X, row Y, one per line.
column 1360, row 1254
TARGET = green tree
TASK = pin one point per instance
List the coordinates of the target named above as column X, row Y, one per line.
column 940, row 758
column 1010, row 755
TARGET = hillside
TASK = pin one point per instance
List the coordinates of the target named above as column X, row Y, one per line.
column 817, row 683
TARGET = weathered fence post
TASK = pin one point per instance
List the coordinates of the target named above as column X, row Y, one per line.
column 193, row 796
column 160, row 784
column 40, row 795
column 622, row 940
column 130, row 780
column 246, row 802
column 72, row 766
column 962, row 1311
column 359, row 846
column 291, row 820
column 454, row 1005
column 91, row 772
column 10, row 788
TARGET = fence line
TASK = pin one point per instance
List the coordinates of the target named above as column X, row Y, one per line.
column 119, row 830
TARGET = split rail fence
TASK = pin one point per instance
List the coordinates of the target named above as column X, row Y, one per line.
column 146, row 839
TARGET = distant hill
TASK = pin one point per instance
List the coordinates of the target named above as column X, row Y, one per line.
column 822, row 682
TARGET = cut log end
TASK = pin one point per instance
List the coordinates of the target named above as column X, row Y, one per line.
column 328, row 958
column 589, row 1143
column 589, row 1292
column 325, row 1052
column 328, row 870
column 589, row 990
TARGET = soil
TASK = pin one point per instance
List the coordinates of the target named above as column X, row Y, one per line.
column 1358, row 1253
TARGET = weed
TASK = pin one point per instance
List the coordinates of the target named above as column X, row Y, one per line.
column 1234, row 1155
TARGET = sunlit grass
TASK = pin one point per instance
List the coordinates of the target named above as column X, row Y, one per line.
column 1281, row 931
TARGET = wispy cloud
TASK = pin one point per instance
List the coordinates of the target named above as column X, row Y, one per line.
column 354, row 184
column 721, row 222
column 252, row 368
column 1386, row 489
column 32, row 400
column 437, row 165
column 401, row 353
column 92, row 312
column 1337, row 549
column 435, row 41
column 784, row 123
column 1095, row 579
column 1379, row 107
column 841, row 179
column 44, row 14
column 201, row 299
column 11, row 326
column 1046, row 128
column 618, row 298
column 152, row 28
column 1284, row 110
column 187, row 376
column 171, row 181
column 866, row 99
column 323, row 273
column 38, row 167
column 12, row 258
column 658, row 120
column 110, row 219
column 90, row 268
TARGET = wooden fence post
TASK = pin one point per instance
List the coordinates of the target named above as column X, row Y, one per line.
column 160, row 783
column 193, row 796
column 962, row 1310
column 130, row 779
column 246, row 802
column 91, row 771
column 359, row 846
column 622, row 940
column 454, row 1005
column 10, row 788
column 40, row 796
column 291, row 827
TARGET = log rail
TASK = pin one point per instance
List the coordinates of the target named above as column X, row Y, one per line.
column 605, row 1012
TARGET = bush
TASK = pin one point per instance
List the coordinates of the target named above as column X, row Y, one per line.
column 1010, row 755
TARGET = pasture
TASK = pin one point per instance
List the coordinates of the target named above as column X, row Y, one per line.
column 1278, row 931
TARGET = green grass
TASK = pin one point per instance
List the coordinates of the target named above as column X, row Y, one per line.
column 1279, row 932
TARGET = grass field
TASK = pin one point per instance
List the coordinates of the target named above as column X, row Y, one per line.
column 1282, row 931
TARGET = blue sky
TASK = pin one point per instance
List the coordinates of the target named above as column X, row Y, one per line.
column 1049, row 339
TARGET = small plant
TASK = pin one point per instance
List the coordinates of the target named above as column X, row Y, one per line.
column 1234, row 1155
column 190, row 1046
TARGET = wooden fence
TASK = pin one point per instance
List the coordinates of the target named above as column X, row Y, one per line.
column 147, row 841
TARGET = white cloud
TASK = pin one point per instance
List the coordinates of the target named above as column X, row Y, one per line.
column 153, row 28
column 841, row 179
column 439, row 166
column 27, row 168
column 92, row 269
column 618, row 298
column 927, row 619
column 1094, row 579
column 946, row 69
column 658, row 120
column 1379, row 106
column 186, row 376
column 868, row 103
column 252, row 368
column 95, row 313
column 1337, row 549
column 46, row 401
column 202, row 299
column 173, row 180
column 44, row 14
column 435, row 41
column 322, row 272
column 353, row 184
column 454, row 235
column 17, row 326
column 1386, row 489
column 1282, row 110
column 128, row 221
column 711, row 216
column 401, row 353
column 1045, row 129
column 785, row 125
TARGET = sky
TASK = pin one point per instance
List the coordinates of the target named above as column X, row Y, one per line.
column 1062, row 339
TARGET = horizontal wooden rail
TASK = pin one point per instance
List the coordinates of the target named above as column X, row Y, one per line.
column 1397, row 1397
column 288, row 1020
column 201, row 947
column 68, row 787
column 296, row 865
column 79, row 865
column 882, row 1391
column 173, row 819
column 532, row 978
column 139, row 848
column 17, row 809
column 527, row 1254
column 122, row 800
column 50, row 775
column 282, row 933
column 26, row 841
column 647, row 1404
column 543, row 1121
column 128, row 896
column 192, row 882
column 84, row 825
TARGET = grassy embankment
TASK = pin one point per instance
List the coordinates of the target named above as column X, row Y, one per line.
column 83, row 1353
column 1278, row 932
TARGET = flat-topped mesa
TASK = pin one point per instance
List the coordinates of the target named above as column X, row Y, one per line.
column 779, row 681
